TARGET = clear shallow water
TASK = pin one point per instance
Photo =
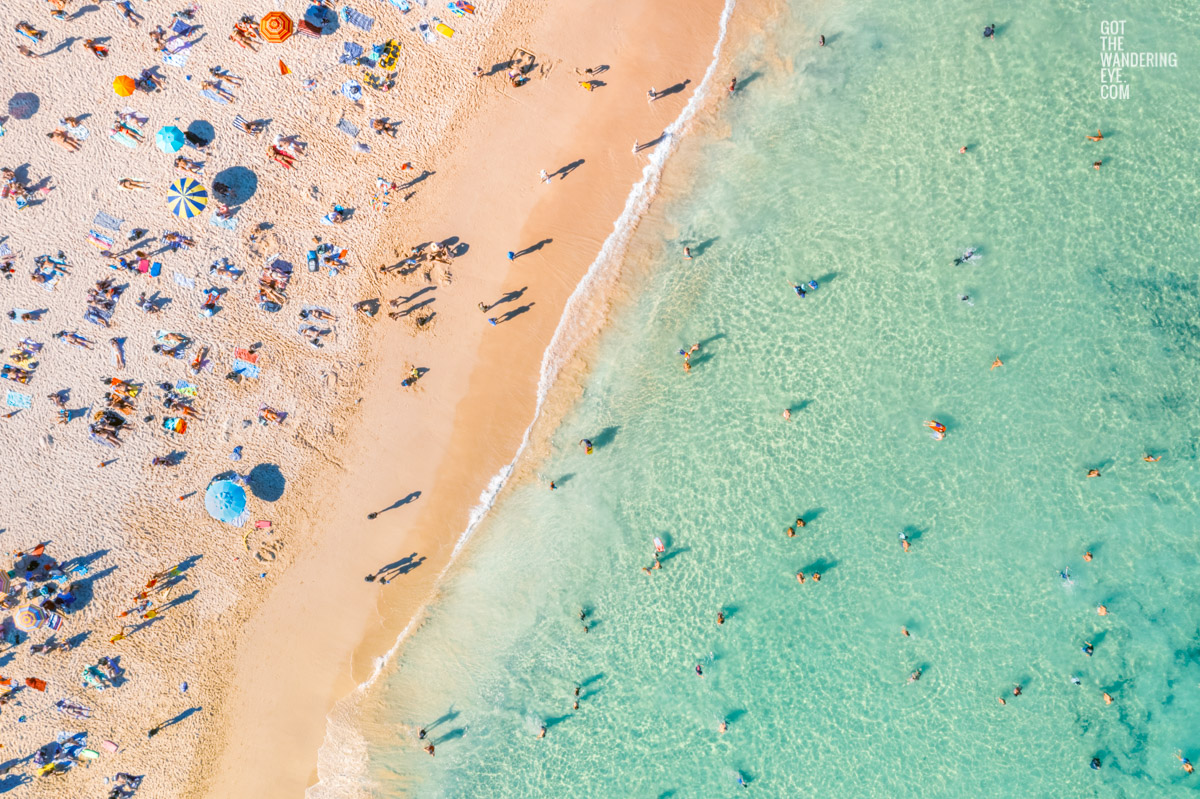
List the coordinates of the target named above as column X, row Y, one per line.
column 845, row 169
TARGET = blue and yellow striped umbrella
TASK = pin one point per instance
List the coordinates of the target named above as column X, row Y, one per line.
column 29, row 618
column 187, row 197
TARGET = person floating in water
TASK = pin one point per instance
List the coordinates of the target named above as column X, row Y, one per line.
column 962, row 150
column 1093, row 473
column 800, row 292
column 938, row 429
column 822, row 40
column 1096, row 164
column 699, row 671
column 1148, row 458
column 720, row 617
column 1087, row 556
column 916, row 675
column 1095, row 764
column 1098, row 137
column 996, row 363
column 1184, row 763
column 990, row 31
column 1087, row 648
column 966, row 256
column 904, row 540
column 586, row 443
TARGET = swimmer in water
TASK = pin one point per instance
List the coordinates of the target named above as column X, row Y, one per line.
column 1075, row 680
column 1087, row 556
column 1093, row 473
column 787, row 414
column 1087, row 648
column 799, row 522
column 1108, row 700
column 587, row 445
column 816, row 577
column 1102, row 610
column 542, row 731
column 997, row 362
column 1016, row 690
column 429, row 749
column 699, row 671
column 1184, row 763
column 800, row 577
column 724, row 725
column 916, row 675
column 1096, row 164
column 799, row 290
column 1098, row 137
column 966, row 256
column 904, row 540
column 720, row 617
column 1148, row 458
column 687, row 253
column 967, row 299
column 904, row 631
column 1095, row 764
column 791, row 532
column 962, row 150
column 821, row 41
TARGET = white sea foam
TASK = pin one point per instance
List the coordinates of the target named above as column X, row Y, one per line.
column 342, row 758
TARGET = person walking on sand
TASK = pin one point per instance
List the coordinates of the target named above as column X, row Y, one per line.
column 651, row 95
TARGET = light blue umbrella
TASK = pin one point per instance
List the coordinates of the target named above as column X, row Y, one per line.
column 225, row 501
column 169, row 139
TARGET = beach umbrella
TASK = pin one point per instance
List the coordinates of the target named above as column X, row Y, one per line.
column 276, row 27
column 29, row 618
column 186, row 197
column 123, row 85
column 169, row 139
column 225, row 501
column 322, row 18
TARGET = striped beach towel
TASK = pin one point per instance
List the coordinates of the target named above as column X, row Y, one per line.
column 347, row 127
column 100, row 240
column 358, row 19
column 107, row 220
column 240, row 123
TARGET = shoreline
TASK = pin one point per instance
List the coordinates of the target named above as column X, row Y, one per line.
column 262, row 740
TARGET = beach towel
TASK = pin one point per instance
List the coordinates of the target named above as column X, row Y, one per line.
column 78, row 131
column 185, row 388
column 345, row 126
column 107, row 220
column 182, row 28
column 351, row 54
column 357, row 18
column 352, row 90
column 16, row 399
column 137, row 116
column 224, row 224
column 35, row 683
column 100, row 240
column 173, row 424
column 5, row 250
column 120, row 137
column 244, row 369
column 53, row 622
column 216, row 98
column 184, row 281
column 176, row 59
column 245, row 355
column 402, row 5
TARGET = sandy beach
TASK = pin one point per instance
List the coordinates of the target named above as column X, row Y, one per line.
column 269, row 624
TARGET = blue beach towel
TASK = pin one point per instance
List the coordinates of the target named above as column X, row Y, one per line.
column 357, row 18
column 245, row 369
column 177, row 59
column 108, row 220
column 216, row 98
column 122, row 138
column 351, row 54
column 224, row 224
column 16, row 399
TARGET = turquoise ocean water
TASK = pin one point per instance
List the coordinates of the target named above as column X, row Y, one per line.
column 841, row 165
